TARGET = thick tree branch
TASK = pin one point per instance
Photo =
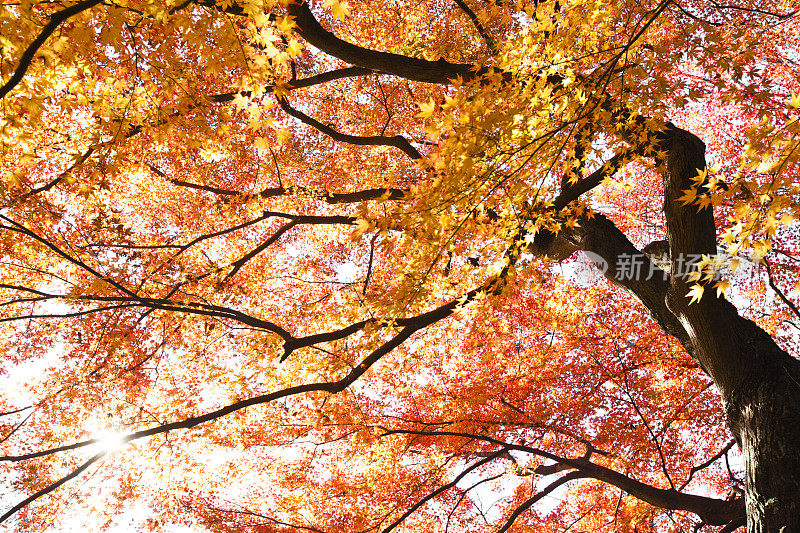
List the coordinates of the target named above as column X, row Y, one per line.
column 732, row 349
column 572, row 191
column 324, row 195
column 613, row 253
column 733, row 525
column 441, row 71
column 758, row 381
column 335, row 197
column 711, row 510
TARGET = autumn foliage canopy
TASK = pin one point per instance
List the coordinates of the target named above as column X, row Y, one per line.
column 394, row 266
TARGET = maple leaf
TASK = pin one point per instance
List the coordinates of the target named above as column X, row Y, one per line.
column 689, row 196
column 340, row 10
column 426, row 109
column 285, row 23
column 695, row 293
column 294, row 48
column 702, row 201
column 722, row 286
column 701, row 176
column 262, row 143
column 281, row 89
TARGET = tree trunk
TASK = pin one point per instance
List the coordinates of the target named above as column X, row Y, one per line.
column 758, row 381
column 764, row 414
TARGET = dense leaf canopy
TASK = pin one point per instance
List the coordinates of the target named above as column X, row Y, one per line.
column 282, row 267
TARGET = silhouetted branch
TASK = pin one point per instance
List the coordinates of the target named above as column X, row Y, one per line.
column 444, row 488
column 19, row 228
column 711, row 510
column 15, row 428
column 478, row 26
column 779, row 292
column 349, row 72
column 49, row 185
column 324, row 77
column 27, row 56
column 50, row 488
column 239, row 263
column 335, row 197
column 409, row 327
column 397, row 141
column 538, row 496
column 15, row 411
column 781, row 16
column 706, row 464
column 267, row 518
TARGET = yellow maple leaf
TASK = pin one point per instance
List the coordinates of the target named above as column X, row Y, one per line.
column 295, row 48
column 240, row 101
column 285, row 23
column 721, row 286
column 695, row 293
column 766, row 167
column 689, row 196
column 283, row 136
column 341, row 10
column 362, row 226
column 281, row 89
column 761, row 248
column 338, row 9
column 426, row 109
column 262, row 143
column 701, row 176
column 703, row 201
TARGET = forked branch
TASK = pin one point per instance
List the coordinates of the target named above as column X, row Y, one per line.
column 713, row 511
column 538, row 496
